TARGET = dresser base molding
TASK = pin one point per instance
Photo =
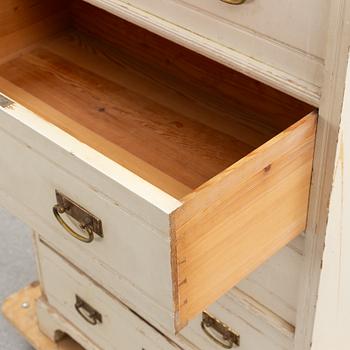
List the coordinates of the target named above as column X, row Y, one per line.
column 24, row 319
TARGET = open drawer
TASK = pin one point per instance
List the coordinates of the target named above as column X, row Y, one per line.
column 215, row 162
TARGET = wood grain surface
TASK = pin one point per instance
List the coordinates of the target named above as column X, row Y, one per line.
column 23, row 23
column 170, row 115
column 237, row 220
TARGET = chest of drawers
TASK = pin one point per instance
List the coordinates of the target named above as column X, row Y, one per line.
column 157, row 172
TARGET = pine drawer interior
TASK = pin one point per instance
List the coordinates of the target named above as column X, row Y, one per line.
column 201, row 132
column 171, row 116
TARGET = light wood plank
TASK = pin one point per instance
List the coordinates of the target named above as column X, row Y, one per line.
column 25, row 320
column 95, row 140
column 233, row 223
column 203, row 79
column 189, row 144
column 188, row 151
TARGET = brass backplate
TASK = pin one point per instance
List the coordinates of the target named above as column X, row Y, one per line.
column 80, row 214
column 92, row 316
column 228, row 337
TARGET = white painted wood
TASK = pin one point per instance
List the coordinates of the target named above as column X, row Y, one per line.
column 275, row 284
column 137, row 195
column 301, row 24
column 258, row 327
column 278, row 64
column 120, row 327
column 54, row 326
column 255, row 324
column 333, row 306
column 338, row 43
column 133, row 258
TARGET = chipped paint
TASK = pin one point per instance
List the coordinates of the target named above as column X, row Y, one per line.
column 5, row 102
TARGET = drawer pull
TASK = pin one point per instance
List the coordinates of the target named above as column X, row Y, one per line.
column 221, row 334
column 87, row 312
column 88, row 222
column 234, row 2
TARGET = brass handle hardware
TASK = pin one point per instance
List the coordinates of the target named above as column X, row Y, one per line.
column 234, row 2
column 88, row 222
column 88, row 313
column 58, row 210
column 221, row 334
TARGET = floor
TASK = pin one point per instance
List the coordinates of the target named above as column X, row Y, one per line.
column 17, row 269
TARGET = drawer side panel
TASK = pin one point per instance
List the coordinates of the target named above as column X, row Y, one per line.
column 236, row 221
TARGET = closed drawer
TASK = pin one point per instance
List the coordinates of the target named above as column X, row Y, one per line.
column 258, row 17
column 195, row 187
column 255, row 325
column 249, row 323
column 113, row 325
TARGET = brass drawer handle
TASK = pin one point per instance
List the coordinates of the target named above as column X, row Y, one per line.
column 88, row 313
column 222, row 334
column 57, row 210
column 234, row 2
column 88, row 222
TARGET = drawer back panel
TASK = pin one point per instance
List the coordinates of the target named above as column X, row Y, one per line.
column 197, row 76
column 23, row 23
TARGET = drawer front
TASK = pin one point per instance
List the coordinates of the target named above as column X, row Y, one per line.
column 64, row 285
column 112, row 326
column 256, row 326
column 132, row 257
column 165, row 260
column 300, row 23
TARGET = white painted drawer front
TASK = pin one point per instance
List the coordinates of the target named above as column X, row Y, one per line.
column 257, row 327
column 133, row 258
column 297, row 23
column 120, row 328
column 286, row 39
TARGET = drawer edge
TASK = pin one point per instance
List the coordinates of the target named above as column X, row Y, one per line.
column 151, row 203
